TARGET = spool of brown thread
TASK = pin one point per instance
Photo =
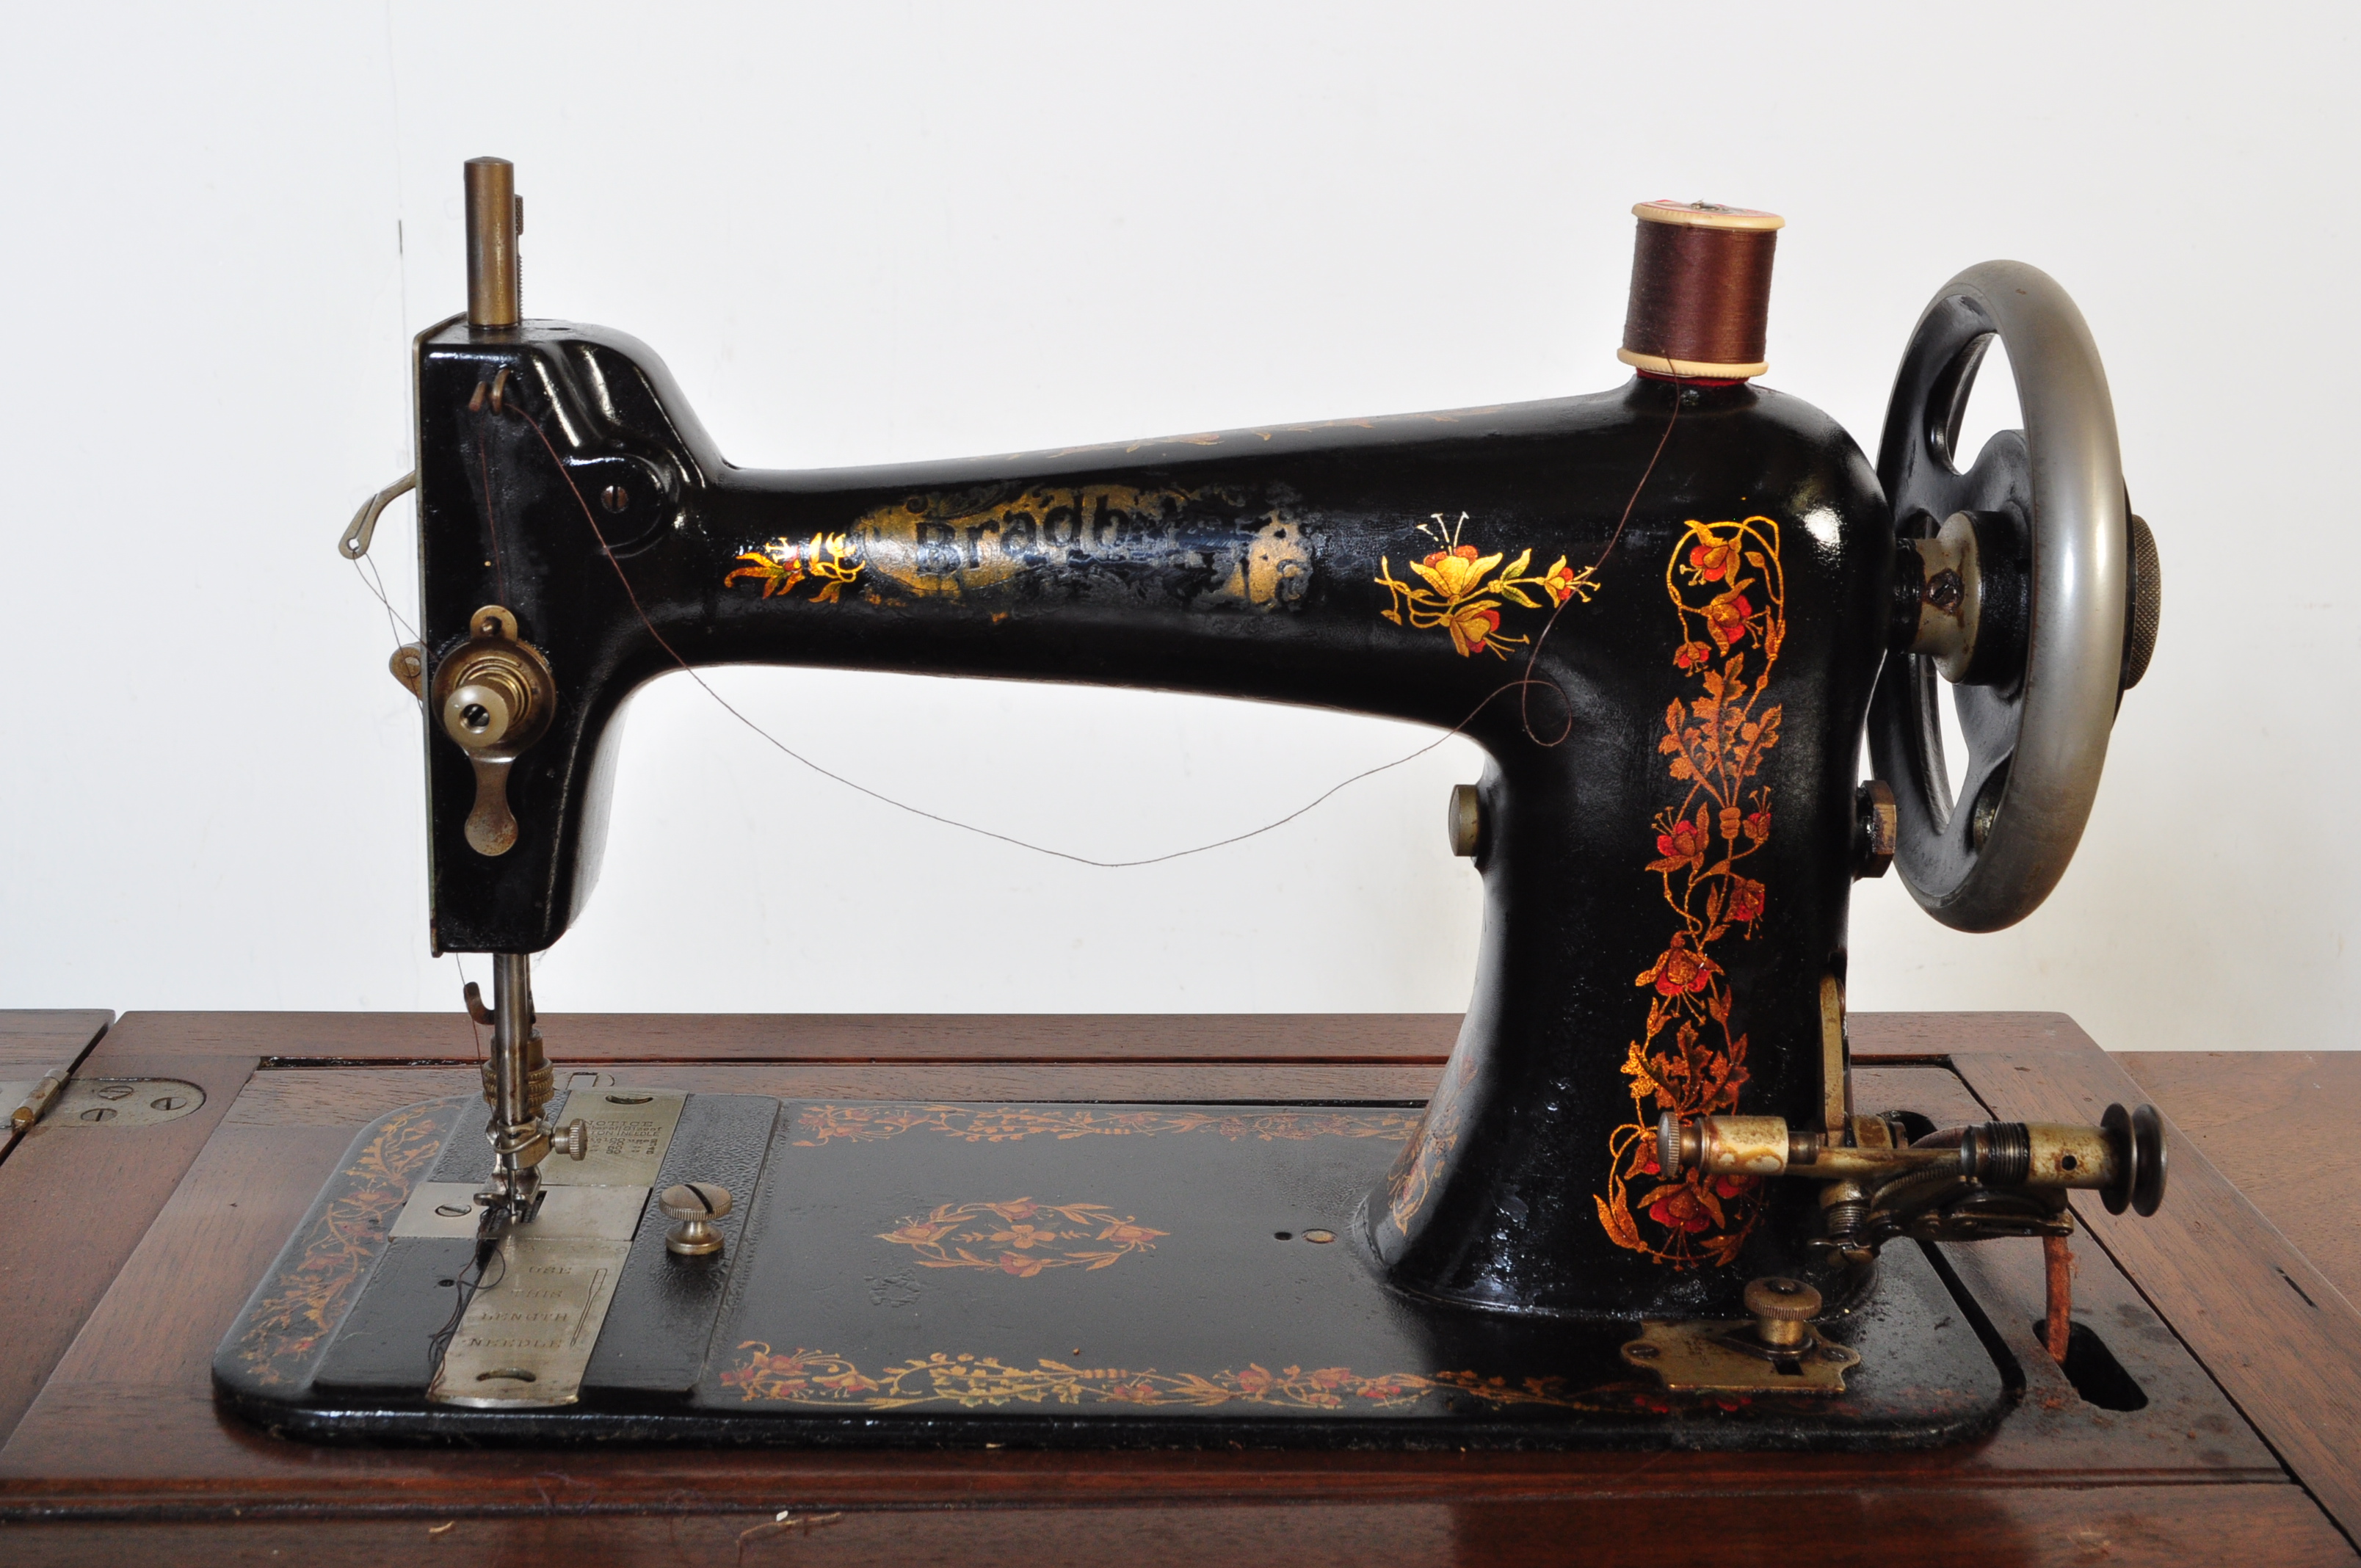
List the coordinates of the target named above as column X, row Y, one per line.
column 1700, row 290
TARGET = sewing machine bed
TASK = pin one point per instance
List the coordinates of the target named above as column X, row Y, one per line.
column 1098, row 1275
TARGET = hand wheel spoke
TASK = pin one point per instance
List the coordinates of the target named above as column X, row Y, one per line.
column 2045, row 658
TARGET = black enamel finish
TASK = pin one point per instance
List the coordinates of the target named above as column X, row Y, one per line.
column 1292, row 1342
column 670, row 1304
column 1157, row 595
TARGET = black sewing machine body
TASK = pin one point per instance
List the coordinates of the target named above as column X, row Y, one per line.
column 1251, row 564
column 1661, row 610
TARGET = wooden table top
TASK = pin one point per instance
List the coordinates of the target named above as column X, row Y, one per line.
column 114, row 1447
column 2279, row 1125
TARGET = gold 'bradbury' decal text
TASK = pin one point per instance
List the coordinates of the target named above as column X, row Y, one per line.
column 1207, row 549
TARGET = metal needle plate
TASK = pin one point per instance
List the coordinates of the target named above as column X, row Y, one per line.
column 527, row 1336
column 448, row 1209
column 630, row 1130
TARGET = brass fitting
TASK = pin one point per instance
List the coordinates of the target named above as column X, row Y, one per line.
column 493, row 696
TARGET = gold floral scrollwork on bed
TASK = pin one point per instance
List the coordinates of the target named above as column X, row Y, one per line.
column 1021, row 1238
column 817, row 1378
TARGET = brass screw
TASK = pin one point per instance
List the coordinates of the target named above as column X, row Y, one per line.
column 695, row 1204
column 614, row 499
column 1782, row 1309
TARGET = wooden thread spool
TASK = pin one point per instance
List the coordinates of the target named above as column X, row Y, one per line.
column 1700, row 290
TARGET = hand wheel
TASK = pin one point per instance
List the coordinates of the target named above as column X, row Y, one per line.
column 2025, row 582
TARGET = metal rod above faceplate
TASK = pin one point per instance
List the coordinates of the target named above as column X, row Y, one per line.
column 494, row 218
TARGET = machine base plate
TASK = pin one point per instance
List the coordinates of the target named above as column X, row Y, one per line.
column 1071, row 1274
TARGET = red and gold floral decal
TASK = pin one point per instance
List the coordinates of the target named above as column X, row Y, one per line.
column 1009, row 1124
column 816, row 1377
column 1021, row 1238
column 829, row 560
column 1464, row 591
column 1422, row 1162
column 1726, row 582
column 314, row 1288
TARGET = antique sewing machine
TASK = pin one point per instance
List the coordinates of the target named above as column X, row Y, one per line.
column 1642, row 1208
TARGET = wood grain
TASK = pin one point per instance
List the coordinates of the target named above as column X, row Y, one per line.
column 1932, row 1036
column 351, row 1096
column 2279, row 1125
column 2282, row 1341
column 43, row 1038
column 2154, row 1527
column 80, row 1197
column 1342, row 1038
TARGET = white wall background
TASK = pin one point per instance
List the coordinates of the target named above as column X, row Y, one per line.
column 877, row 232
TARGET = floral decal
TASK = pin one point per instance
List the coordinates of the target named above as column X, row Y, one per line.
column 1726, row 582
column 315, row 1285
column 816, row 1377
column 1009, row 1124
column 1020, row 1237
column 1464, row 591
column 828, row 559
column 1422, row 1159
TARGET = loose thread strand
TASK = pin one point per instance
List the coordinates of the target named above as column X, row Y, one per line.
column 1521, row 686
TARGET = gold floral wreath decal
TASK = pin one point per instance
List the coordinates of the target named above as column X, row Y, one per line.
column 828, row 559
column 1465, row 591
column 1725, row 580
column 1025, row 1238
